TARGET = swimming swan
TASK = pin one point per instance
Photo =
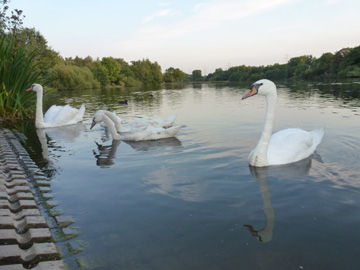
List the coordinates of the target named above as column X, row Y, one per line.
column 142, row 122
column 145, row 133
column 56, row 115
column 285, row 146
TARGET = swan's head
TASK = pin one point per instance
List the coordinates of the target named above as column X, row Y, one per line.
column 98, row 117
column 262, row 87
column 35, row 87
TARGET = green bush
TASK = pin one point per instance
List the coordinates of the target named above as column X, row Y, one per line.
column 67, row 77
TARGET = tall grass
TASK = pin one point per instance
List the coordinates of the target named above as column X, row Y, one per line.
column 17, row 73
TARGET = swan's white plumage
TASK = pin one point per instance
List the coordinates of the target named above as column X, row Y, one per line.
column 56, row 115
column 292, row 144
column 138, row 123
column 285, row 146
column 139, row 133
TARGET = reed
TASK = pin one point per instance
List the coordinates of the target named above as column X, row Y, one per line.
column 17, row 73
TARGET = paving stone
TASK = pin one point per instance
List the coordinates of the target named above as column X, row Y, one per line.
column 23, row 224
column 17, row 196
column 19, row 205
column 70, row 231
column 25, row 237
column 10, row 236
column 49, row 265
column 15, row 189
column 43, row 183
column 16, row 182
column 64, row 221
column 12, row 253
column 44, row 189
column 20, row 215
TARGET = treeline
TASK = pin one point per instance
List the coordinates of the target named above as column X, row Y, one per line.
column 74, row 73
column 86, row 73
column 343, row 64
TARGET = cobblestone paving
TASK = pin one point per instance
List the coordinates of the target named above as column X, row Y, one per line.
column 25, row 238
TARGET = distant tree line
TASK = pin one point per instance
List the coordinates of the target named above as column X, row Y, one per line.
column 343, row 64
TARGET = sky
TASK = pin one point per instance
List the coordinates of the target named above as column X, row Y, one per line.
column 195, row 34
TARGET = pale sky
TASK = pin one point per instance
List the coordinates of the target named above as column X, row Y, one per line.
column 195, row 34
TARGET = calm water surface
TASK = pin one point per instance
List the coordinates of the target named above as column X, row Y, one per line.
column 193, row 202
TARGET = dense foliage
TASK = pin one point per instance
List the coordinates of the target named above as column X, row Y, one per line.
column 343, row 64
column 173, row 75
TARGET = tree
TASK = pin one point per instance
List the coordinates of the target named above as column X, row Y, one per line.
column 10, row 24
column 100, row 74
column 86, row 62
column 45, row 58
column 173, row 75
column 147, row 72
column 112, row 67
column 196, row 75
column 72, row 77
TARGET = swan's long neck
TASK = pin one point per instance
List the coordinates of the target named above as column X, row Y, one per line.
column 39, row 117
column 110, row 125
column 259, row 156
column 115, row 119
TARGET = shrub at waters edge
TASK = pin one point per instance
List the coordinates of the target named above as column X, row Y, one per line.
column 17, row 73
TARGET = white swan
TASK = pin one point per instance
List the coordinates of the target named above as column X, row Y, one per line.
column 142, row 122
column 56, row 115
column 145, row 133
column 285, row 146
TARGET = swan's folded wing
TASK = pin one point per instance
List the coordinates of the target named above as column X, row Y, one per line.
column 290, row 145
column 51, row 113
column 65, row 115
column 150, row 133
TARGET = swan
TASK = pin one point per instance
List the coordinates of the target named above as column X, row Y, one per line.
column 285, row 146
column 56, row 115
column 145, row 133
column 143, row 122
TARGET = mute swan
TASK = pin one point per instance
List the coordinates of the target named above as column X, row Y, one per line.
column 285, row 146
column 136, row 134
column 143, row 122
column 56, row 115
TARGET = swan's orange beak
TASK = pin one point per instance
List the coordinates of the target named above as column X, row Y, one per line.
column 29, row 89
column 253, row 91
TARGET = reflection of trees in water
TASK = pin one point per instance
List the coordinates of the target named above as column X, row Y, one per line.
column 346, row 89
column 288, row 171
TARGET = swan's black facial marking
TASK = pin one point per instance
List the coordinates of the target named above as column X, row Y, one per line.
column 93, row 123
column 256, row 86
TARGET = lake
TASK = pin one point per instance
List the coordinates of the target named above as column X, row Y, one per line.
column 193, row 202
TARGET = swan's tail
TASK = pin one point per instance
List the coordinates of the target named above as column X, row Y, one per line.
column 79, row 114
column 82, row 111
column 317, row 135
column 168, row 122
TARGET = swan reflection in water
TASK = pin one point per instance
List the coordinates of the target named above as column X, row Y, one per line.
column 288, row 171
column 106, row 153
column 47, row 137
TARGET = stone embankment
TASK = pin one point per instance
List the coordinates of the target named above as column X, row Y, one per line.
column 26, row 241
